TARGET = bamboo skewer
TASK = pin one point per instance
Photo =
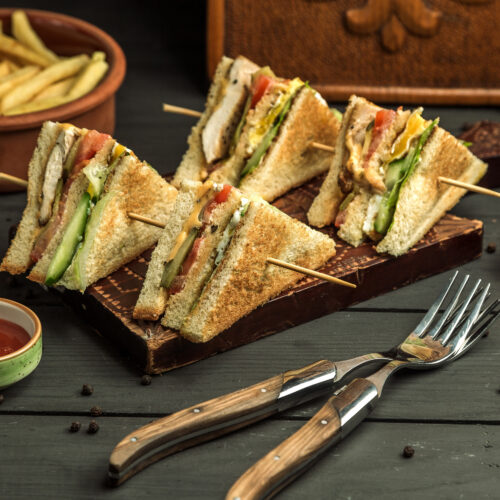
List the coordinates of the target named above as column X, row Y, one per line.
column 271, row 260
column 169, row 108
column 470, row 187
column 323, row 147
column 147, row 220
column 13, row 179
column 309, row 272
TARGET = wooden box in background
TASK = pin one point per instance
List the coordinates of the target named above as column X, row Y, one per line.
column 408, row 51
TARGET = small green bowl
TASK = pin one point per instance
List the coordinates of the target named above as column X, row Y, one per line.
column 19, row 364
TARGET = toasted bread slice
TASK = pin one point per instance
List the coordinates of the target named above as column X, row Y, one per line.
column 423, row 200
column 76, row 190
column 153, row 297
column 325, row 206
column 111, row 237
column 17, row 260
column 179, row 305
column 193, row 166
column 290, row 161
column 244, row 280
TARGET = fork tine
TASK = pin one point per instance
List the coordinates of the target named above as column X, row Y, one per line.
column 476, row 335
column 451, row 307
column 459, row 338
column 486, row 310
column 461, row 303
column 421, row 328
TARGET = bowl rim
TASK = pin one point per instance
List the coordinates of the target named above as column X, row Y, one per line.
column 36, row 335
column 107, row 87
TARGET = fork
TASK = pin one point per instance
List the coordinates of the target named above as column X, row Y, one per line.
column 232, row 411
column 456, row 331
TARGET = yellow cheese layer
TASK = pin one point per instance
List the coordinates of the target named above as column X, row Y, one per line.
column 256, row 135
column 205, row 192
column 414, row 128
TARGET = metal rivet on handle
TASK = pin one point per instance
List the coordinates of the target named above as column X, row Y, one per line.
column 133, row 439
column 276, row 457
column 236, row 498
column 263, row 390
column 196, row 410
column 324, row 422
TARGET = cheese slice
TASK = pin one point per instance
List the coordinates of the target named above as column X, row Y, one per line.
column 414, row 128
column 258, row 132
column 203, row 196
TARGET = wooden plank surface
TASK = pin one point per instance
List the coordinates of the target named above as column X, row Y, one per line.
column 450, row 461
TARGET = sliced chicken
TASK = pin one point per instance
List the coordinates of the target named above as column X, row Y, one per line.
column 362, row 115
column 219, row 129
column 53, row 171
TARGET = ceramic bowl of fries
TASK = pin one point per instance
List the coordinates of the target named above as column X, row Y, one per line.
column 52, row 67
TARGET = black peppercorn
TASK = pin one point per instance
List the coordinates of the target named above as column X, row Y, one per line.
column 75, row 427
column 87, row 389
column 93, row 427
column 146, row 380
column 96, row 411
column 491, row 248
column 408, row 452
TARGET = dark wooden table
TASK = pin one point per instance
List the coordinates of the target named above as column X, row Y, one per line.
column 451, row 417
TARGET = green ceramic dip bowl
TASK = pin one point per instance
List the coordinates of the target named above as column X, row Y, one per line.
column 18, row 364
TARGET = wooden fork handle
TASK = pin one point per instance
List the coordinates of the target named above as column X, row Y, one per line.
column 214, row 418
column 340, row 414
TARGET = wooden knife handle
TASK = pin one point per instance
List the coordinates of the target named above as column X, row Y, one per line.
column 294, row 455
column 206, row 421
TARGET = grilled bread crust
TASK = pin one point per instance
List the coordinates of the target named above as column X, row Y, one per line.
column 17, row 258
column 153, row 297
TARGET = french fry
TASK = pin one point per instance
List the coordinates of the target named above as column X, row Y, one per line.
column 98, row 55
column 7, row 83
column 13, row 48
column 12, row 65
column 4, row 68
column 88, row 78
column 57, row 89
column 39, row 105
column 58, row 71
column 24, row 33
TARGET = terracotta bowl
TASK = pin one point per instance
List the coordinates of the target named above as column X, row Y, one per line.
column 19, row 364
column 66, row 36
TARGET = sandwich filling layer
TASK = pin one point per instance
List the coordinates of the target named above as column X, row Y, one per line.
column 74, row 236
column 396, row 138
column 187, row 245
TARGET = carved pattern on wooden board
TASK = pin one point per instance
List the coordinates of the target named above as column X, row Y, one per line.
column 395, row 17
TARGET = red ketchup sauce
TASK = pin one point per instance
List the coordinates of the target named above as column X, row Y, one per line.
column 12, row 337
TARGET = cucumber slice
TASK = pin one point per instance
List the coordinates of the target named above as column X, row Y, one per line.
column 173, row 267
column 70, row 241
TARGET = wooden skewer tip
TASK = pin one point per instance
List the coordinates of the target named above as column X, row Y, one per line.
column 469, row 187
column 169, row 108
column 13, row 179
column 310, row 272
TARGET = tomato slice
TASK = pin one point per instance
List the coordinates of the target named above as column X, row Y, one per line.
column 220, row 197
column 91, row 143
column 383, row 120
column 259, row 87
column 178, row 283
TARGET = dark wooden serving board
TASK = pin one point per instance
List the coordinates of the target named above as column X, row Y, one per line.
column 108, row 304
